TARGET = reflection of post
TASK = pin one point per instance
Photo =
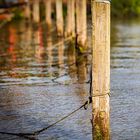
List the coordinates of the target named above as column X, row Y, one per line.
column 70, row 27
column 101, row 69
column 28, row 34
column 81, row 22
column 40, row 50
column 61, row 53
column 49, row 49
column 81, row 68
column 59, row 17
column 12, row 41
column 36, row 12
column 36, row 42
column 48, row 13
column 72, row 60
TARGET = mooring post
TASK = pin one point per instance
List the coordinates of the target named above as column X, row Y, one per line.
column 48, row 13
column 101, row 69
column 81, row 23
column 36, row 10
column 59, row 18
column 70, row 25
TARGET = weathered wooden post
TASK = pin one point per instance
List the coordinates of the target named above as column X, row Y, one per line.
column 48, row 8
column 36, row 10
column 101, row 69
column 81, row 23
column 59, row 17
column 27, row 12
column 70, row 25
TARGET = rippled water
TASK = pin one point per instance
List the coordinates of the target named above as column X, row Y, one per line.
column 42, row 78
column 125, row 75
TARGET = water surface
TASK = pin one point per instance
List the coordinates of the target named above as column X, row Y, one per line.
column 43, row 78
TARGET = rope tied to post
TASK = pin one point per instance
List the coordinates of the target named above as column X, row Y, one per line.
column 35, row 133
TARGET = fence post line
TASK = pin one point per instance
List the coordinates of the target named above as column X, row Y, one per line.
column 81, row 23
column 101, row 69
column 59, row 18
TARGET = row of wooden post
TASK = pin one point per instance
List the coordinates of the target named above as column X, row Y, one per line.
column 76, row 20
column 100, row 48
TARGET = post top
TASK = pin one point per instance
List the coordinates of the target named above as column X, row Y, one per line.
column 102, row 1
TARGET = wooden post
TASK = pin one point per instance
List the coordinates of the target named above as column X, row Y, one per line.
column 81, row 23
column 27, row 11
column 59, row 17
column 70, row 26
column 36, row 12
column 101, row 69
column 48, row 13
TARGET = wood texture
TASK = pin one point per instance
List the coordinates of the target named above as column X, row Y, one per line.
column 81, row 22
column 48, row 11
column 70, row 25
column 59, row 18
column 101, row 69
column 36, row 11
column 27, row 11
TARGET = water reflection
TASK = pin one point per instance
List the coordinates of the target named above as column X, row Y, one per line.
column 35, row 52
column 30, row 99
column 31, row 56
column 12, row 41
column 81, row 68
column 71, row 54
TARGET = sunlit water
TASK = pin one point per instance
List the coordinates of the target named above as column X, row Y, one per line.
column 42, row 78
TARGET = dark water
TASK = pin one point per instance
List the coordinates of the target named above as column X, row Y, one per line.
column 42, row 78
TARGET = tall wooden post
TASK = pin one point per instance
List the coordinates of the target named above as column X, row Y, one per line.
column 36, row 10
column 81, row 22
column 101, row 69
column 70, row 26
column 59, row 17
column 48, row 13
